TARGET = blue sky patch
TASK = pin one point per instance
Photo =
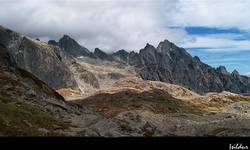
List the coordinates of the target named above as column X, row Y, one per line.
column 221, row 54
column 207, row 30
column 231, row 60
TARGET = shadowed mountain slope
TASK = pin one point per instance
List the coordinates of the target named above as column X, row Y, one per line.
column 40, row 59
column 172, row 64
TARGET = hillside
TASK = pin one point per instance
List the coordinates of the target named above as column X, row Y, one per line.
column 39, row 58
column 29, row 107
column 153, row 108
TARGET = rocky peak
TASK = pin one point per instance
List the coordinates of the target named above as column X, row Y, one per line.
column 134, row 59
column 164, row 46
column 72, row 47
column 53, row 42
column 235, row 74
column 121, row 52
column 173, row 64
column 148, row 49
column 102, row 55
column 149, row 46
column 171, row 50
column 222, row 69
column 97, row 51
column 67, row 37
column 196, row 58
column 122, row 55
column 68, row 42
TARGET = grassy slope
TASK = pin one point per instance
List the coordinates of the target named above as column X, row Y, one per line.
column 20, row 119
column 157, row 101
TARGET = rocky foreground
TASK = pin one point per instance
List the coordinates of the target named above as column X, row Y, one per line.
column 151, row 108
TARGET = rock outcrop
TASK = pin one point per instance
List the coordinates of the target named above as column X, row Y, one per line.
column 172, row 64
column 121, row 55
column 102, row 55
column 40, row 59
column 53, row 42
column 19, row 84
column 153, row 108
column 169, row 63
column 31, row 108
column 73, row 48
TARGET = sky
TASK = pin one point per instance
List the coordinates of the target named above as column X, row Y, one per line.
column 217, row 31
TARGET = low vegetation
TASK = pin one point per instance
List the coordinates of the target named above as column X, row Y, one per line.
column 20, row 119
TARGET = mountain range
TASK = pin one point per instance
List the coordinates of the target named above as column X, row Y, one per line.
column 168, row 63
column 63, row 89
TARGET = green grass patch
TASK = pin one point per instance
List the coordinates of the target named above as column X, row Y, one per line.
column 20, row 119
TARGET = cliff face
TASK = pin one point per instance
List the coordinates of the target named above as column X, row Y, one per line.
column 40, row 59
column 172, row 64
column 18, row 84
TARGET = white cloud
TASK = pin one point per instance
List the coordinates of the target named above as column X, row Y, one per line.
column 127, row 24
column 217, row 43
column 108, row 24
column 247, row 74
column 211, row 13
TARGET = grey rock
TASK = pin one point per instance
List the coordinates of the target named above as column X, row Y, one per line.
column 115, row 76
column 38, row 58
column 222, row 70
column 73, row 48
column 43, row 130
column 102, row 55
column 53, row 42
column 122, row 55
column 235, row 74
column 89, row 78
column 172, row 64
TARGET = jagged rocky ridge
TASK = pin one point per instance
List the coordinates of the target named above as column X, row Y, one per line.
column 172, row 64
column 71, row 47
column 74, row 49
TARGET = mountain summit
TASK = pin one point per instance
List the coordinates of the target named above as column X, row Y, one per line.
column 102, row 55
column 172, row 64
column 72, row 47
